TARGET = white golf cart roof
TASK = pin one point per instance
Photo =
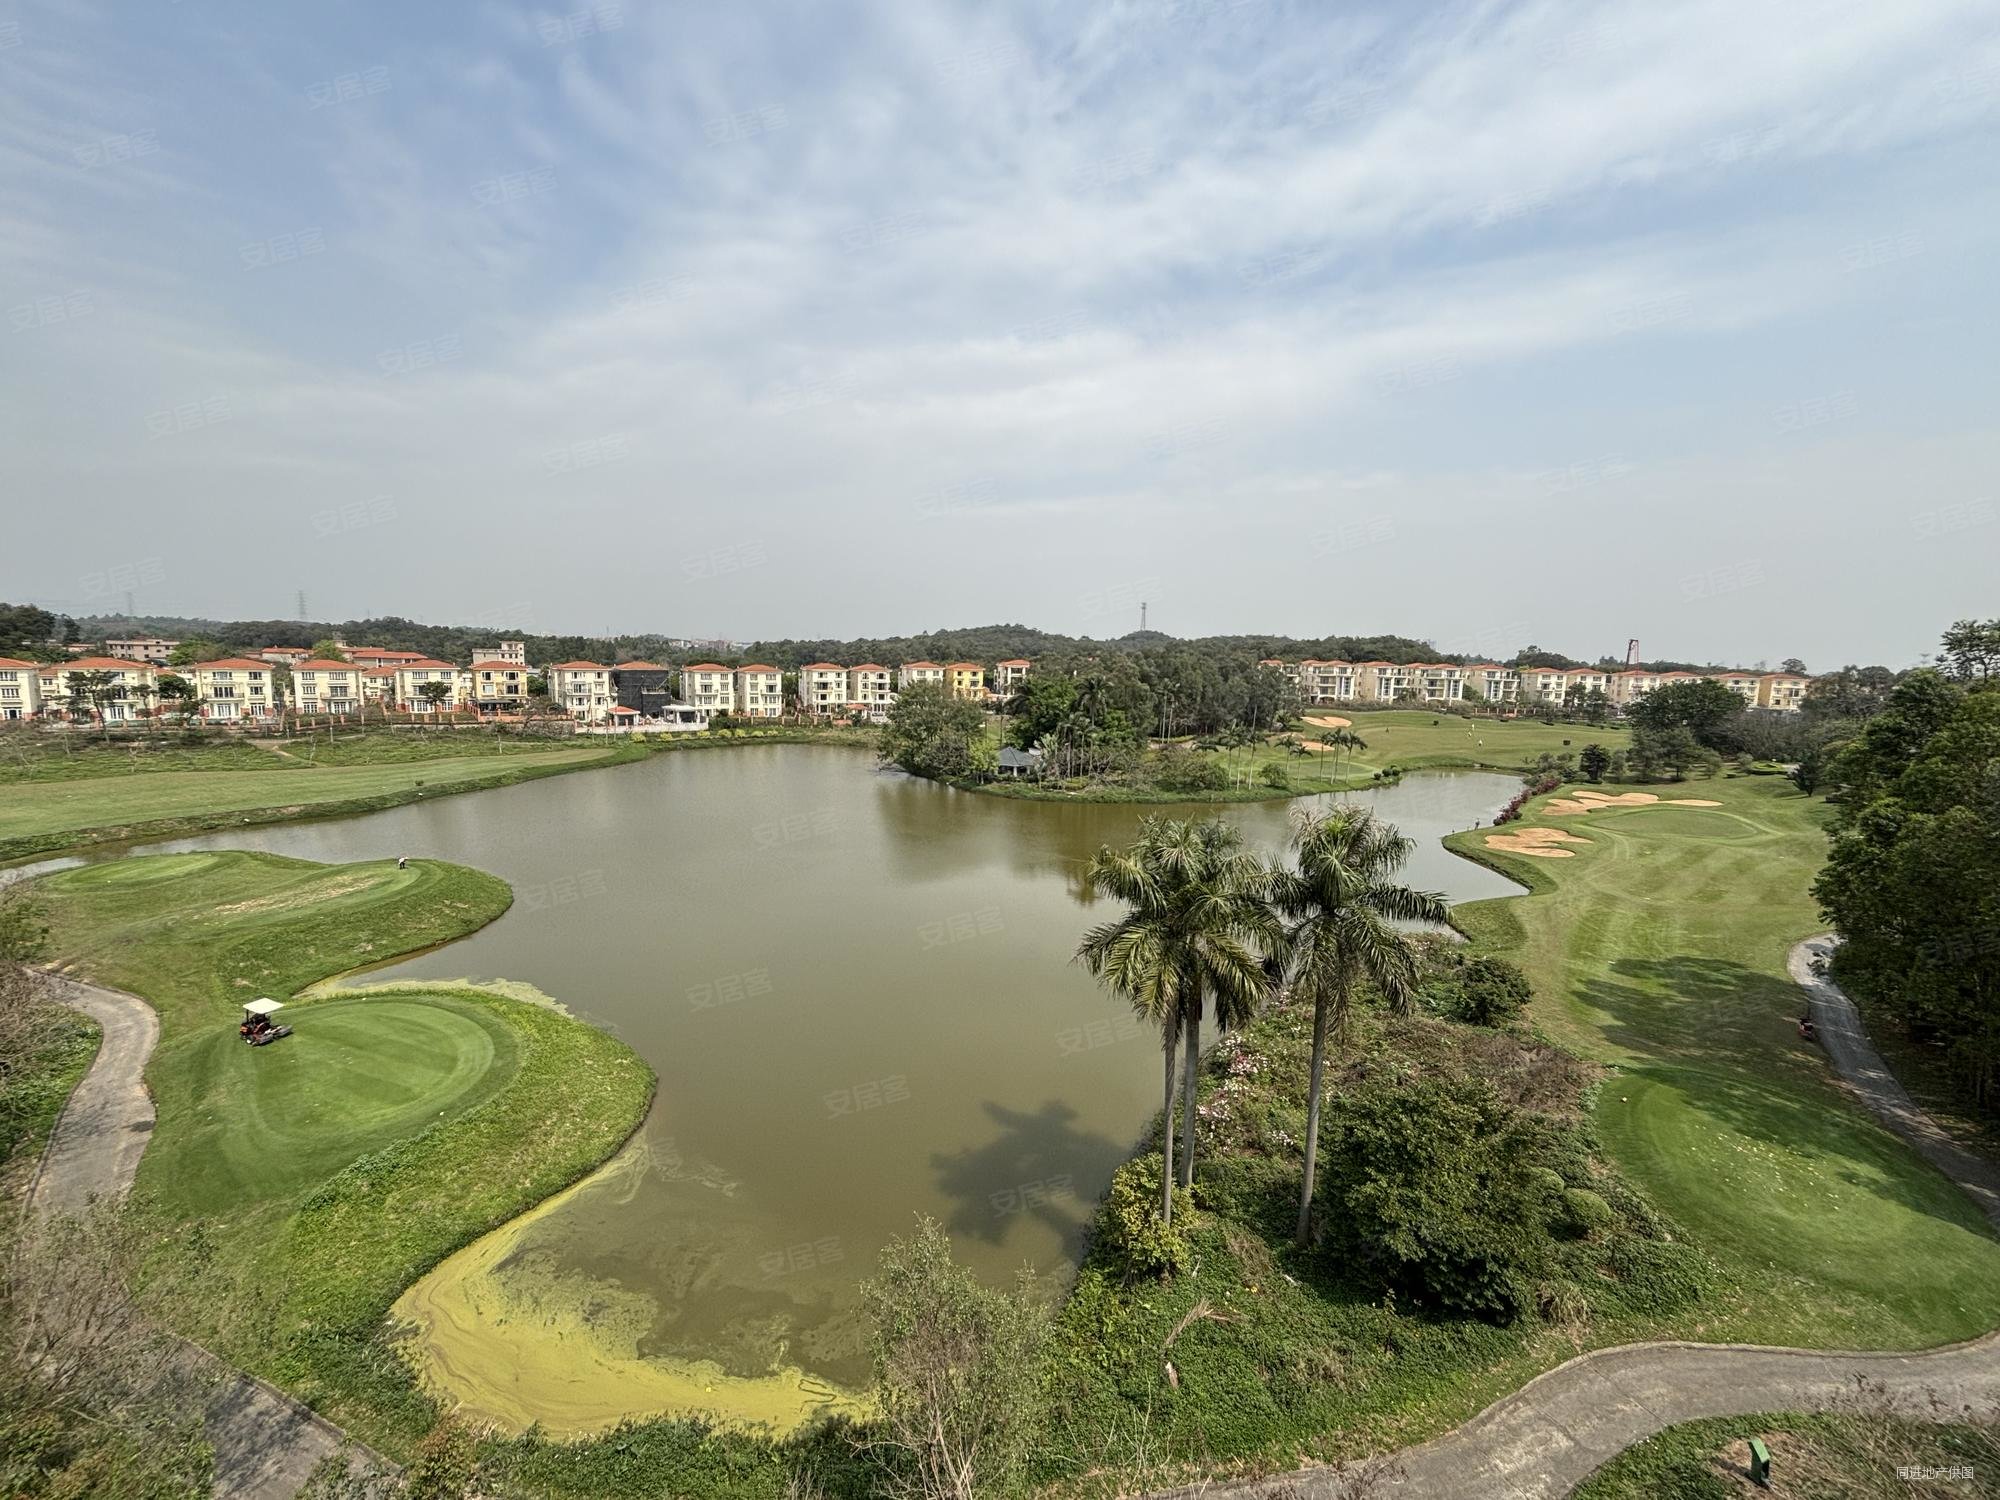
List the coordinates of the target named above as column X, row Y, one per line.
column 264, row 1007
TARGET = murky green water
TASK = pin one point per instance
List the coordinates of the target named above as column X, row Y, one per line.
column 858, row 995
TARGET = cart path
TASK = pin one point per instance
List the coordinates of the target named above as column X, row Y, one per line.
column 94, row 1150
column 1545, row 1439
column 266, row 1444
column 1861, row 1067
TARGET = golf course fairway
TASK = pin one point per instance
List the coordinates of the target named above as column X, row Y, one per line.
column 1657, row 947
column 291, row 1192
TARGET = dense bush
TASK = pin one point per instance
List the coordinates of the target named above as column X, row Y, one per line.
column 1478, row 991
column 1129, row 1227
column 1433, row 1185
column 1179, row 769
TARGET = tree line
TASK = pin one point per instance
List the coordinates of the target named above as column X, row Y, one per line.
column 1912, row 879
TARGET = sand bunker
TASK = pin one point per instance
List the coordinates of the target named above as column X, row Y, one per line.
column 1328, row 721
column 1589, row 802
column 1536, row 843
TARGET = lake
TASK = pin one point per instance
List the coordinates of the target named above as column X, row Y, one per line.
column 857, row 991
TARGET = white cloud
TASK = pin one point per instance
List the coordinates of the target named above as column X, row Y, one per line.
column 1166, row 277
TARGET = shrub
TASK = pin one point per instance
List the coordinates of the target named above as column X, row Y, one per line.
column 1432, row 1186
column 1522, row 798
column 1129, row 1226
column 1180, row 770
column 1273, row 775
column 1492, row 992
column 956, row 1371
column 1585, row 1211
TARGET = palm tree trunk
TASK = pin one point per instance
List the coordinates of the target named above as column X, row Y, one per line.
column 1314, row 1085
column 1190, row 1077
column 1170, row 1034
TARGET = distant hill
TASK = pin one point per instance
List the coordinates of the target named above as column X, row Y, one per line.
column 980, row 643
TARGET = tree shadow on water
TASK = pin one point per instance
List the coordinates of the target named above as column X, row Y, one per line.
column 1039, row 1164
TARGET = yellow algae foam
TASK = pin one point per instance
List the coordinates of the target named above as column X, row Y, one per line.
column 519, row 1351
column 506, row 989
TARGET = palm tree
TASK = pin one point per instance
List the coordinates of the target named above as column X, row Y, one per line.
column 1341, row 910
column 1346, row 741
column 1198, row 925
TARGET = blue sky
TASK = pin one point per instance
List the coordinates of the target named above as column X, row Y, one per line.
column 1487, row 323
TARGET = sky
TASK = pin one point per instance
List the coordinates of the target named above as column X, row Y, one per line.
column 1482, row 323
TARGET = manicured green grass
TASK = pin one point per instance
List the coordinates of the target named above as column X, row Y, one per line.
column 1659, row 949
column 1849, row 1454
column 41, row 816
column 293, row 1191
column 1413, row 739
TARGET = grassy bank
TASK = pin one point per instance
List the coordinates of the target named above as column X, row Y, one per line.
column 124, row 795
column 68, row 793
column 1850, row 1454
column 293, row 1191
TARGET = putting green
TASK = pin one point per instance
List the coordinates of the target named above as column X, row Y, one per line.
column 355, row 1076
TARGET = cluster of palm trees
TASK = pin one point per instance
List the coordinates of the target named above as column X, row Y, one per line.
column 1210, row 924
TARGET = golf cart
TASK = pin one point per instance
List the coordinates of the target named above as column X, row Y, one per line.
column 257, row 1028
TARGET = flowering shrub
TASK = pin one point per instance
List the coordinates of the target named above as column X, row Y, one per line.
column 1526, row 795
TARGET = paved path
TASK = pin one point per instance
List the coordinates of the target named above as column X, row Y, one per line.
column 265, row 1442
column 96, row 1145
column 1862, row 1069
column 1558, row 1429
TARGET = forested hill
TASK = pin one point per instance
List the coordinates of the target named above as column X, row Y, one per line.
column 979, row 643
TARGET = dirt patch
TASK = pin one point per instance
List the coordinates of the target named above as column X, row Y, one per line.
column 296, row 899
column 1536, row 843
column 1328, row 721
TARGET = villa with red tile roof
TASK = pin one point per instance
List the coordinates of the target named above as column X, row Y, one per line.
column 871, row 687
column 411, row 676
column 131, row 689
column 760, row 692
column 913, row 672
column 233, row 688
column 324, row 686
column 20, row 688
column 1010, row 674
column 966, row 679
column 583, row 689
column 497, row 685
column 709, row 685
column 823, row 687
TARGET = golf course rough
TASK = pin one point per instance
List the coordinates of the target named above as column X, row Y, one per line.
column 1658, row 949
column 42, row 817
column 292, row 1192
